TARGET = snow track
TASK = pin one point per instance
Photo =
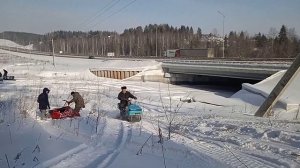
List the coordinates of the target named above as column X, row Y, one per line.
column 102, row 151
column 224, row 153
column 234, row 159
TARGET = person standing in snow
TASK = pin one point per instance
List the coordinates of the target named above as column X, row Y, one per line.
column 4, row 74
column 124, row 96
column 44, row 102
column 79, row 102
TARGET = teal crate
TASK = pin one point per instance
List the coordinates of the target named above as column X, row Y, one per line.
column 134, row 109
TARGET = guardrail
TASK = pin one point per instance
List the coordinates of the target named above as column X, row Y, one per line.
column 232, row 64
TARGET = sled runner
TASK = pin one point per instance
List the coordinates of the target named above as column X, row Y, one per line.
column 64, row 112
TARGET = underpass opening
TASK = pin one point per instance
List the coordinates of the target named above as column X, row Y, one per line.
column 224, row 86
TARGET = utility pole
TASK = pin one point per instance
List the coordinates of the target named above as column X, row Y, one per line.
column 223, row 48
column 156, row 41
column 29, row 50
column 53, row 51
column 138, row 47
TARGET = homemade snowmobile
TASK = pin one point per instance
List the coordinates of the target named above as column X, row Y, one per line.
column 132, row 113
column 8, row 77
column 64, row 112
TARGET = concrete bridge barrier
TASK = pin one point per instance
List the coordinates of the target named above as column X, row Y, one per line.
column 133, row 75
column 115, row 74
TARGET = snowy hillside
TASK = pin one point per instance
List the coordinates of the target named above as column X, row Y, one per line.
column 8, row 43
column 214, row 130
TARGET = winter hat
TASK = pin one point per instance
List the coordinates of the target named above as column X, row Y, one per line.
column 123, row 87
column 46, row 90
column 72, row 93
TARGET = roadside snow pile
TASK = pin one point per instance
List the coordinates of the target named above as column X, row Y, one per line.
column 120, row 64
column 8, row 43
column 288, row 103
column 152, row 73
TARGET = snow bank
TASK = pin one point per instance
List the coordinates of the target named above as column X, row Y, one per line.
column 289, row 99
column 150, row 73
column 288, row 103
column 8, row 43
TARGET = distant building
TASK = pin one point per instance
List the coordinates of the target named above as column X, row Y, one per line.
column 110, row 54
column 199, row 53
column 170, row 53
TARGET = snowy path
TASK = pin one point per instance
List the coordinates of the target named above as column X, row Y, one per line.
column 101, row 152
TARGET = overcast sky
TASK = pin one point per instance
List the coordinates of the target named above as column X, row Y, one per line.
column 253, row 16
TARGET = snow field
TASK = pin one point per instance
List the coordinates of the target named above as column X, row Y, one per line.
column 204, row 134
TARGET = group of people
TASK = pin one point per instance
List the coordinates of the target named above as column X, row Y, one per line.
column 44, row 104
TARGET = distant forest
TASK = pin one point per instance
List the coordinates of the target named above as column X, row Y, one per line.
column 153, row 40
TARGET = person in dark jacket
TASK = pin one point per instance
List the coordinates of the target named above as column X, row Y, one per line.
column 124, row 96
column 4, row 74
column 79, row 102
column 44, row 102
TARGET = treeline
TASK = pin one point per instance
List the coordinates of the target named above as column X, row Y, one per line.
column 282, row 44
column 153, row 40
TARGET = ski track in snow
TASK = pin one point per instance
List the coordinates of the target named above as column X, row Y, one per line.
column 224, row 153
column 237, row 159
column 102, row 151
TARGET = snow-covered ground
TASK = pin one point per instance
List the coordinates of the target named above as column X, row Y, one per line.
column 214, row 130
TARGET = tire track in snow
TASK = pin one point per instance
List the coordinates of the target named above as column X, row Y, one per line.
column 102, row 154
column 108, row 158
column 220, row 153
column 81, row 148
column 59, row 158
column 224, row 155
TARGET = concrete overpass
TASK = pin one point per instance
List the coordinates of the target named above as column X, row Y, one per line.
column 199, row 70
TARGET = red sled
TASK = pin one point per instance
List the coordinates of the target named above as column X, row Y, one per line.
column 64, row 112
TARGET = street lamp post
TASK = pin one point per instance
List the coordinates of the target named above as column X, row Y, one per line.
column 106, row 45
column 52, row 51
column 223, row 48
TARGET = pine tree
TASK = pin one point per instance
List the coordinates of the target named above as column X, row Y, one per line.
column 282, row 43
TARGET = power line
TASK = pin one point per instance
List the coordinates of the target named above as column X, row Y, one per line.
column 116, row 12
column 97, row 13
column 100, row 12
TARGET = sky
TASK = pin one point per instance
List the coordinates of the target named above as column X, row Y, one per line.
column 253, row 16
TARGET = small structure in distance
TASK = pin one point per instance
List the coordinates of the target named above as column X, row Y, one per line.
column 197, row 53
